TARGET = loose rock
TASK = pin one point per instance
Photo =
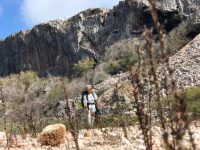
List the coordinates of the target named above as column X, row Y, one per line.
column 53, row 135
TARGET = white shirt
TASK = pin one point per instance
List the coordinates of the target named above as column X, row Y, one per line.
column 91, row 99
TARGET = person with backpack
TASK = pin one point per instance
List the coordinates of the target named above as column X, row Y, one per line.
column 89, row 100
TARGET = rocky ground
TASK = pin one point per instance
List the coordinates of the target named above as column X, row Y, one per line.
column 105, row 139
column 186, row 64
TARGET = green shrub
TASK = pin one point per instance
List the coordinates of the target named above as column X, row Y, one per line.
column 120, row 57
column 112, row 67
column 27, row 78
column 196, row 112
column 192, row 97
column 84, row 66
column 193, row 102
column 126, row 60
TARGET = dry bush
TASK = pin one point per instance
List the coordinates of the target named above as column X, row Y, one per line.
column 28, row 101
column 99, row 74
column 71, row 114
column 149, row 88
column 53, row 135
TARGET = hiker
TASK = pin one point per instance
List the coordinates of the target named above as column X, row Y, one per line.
column 90, row 104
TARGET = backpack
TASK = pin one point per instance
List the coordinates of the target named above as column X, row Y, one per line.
column 82, row 96
column 98, row 111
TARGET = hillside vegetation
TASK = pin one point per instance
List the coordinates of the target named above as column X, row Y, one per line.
column 145, row 73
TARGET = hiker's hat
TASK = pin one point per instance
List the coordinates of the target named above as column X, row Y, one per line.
column 88, row 87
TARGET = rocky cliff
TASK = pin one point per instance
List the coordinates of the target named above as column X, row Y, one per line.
column 55, row 46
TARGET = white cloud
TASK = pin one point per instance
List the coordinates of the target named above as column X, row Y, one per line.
column 37, row 11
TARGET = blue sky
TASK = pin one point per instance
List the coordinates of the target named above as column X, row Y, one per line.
column 16, row 15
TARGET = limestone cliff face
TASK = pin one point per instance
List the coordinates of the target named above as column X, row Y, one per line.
column 55, row 46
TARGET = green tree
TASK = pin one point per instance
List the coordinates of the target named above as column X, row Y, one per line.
column 84, row 66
